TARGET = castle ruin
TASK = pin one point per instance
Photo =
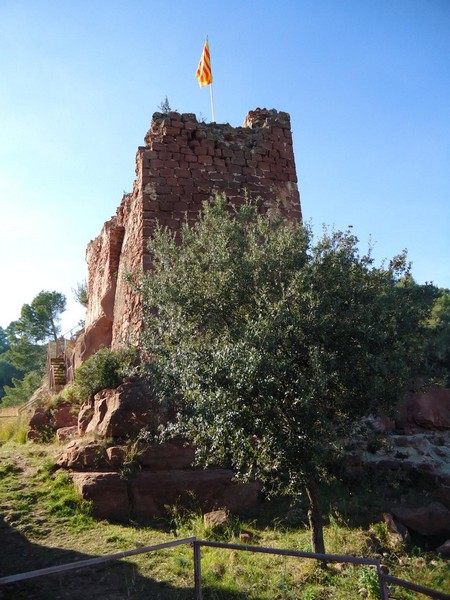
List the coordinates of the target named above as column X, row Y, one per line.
column 183, row 163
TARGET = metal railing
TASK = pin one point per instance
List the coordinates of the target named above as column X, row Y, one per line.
column 383, row 578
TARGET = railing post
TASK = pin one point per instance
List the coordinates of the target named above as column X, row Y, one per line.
column 384, row 594
column 197, row 571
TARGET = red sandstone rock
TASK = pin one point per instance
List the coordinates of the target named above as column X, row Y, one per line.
column 116, row 456
column 108, row 493
column 161, row 457
column 80, row 455
column 66, row 433
column 40, row 420
column 149, row 494
column 433, row 519
column 85, row 416
column 182, row 164
column 210, row 489
column 64, row 415
column 428, row 410
column 124, row 411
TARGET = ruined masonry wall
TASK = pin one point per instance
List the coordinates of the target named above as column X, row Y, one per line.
column 182, row 164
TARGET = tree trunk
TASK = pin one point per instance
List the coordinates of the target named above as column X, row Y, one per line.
column 315, row 516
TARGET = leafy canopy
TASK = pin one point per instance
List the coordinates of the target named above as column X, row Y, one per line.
column 271, row 345
column 39, row 320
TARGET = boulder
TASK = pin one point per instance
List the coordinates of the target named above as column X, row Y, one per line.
column 85, row 415
column 39, row 422
column 427, row 410
column 398, row 533
column 66, row 433
column 444, row 548
column 161, row 457
column 107, row 492
column 116, row 456
column 208, row 489
column 215, row 519
column 125, row 411
column 148, row 494
column 81, row 455
column 433, row 519
column 64, row 415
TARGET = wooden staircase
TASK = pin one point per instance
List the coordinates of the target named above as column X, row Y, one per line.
column 58, row 367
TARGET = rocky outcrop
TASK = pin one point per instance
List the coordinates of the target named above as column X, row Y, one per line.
column 148, row 494
column 414, row 451
column 108, row 493
column 124, row 477
column 123, row 412
column 424, row 454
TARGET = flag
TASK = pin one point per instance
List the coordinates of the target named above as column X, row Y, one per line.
column 204, row 74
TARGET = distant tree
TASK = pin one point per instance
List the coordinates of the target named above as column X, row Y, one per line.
column 22, row 389
column 25, row 355
column 438, row 339
column 7, row 370
column 3, row 340
column 271, row 347
column 39, row 321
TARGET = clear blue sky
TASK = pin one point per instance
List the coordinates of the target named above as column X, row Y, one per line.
column 367, row 84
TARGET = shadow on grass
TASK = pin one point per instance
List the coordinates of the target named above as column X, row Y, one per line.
column 116, row 580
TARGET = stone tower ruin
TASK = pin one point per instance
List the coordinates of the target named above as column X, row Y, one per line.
column 183, row 163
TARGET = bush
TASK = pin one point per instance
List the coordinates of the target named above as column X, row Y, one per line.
column 104, row 369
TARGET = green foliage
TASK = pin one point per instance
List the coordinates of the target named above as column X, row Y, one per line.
column 25, row 355
column 80, row 293
column 39, row 320
column 104, row 369
column 22, row 389
column 272, row 345
column 3, row 340
column 368, row 579
column 69, row 395
column 438, row 340
column 63, row 501
column 7, row 369
column 276, row 345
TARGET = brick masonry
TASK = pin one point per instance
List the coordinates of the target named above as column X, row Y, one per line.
column 183, row 163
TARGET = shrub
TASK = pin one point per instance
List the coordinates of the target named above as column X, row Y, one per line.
column 104, row 369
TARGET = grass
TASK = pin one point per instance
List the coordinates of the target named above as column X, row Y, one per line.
column 47, row 523
column 14, row 429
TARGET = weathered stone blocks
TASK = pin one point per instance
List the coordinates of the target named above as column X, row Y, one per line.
column 183, row 163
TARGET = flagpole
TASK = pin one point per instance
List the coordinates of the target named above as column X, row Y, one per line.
column 212, row 103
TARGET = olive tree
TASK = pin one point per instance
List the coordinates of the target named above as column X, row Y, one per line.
column 271, row 345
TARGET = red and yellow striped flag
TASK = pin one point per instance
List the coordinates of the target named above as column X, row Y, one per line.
column 204, row 73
